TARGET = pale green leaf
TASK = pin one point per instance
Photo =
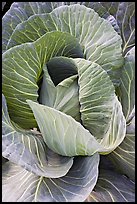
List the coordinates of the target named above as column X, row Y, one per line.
column 28, row 149
column 123, row 156
column 48, row 90
column 67, row 137
column 127, row 86
column 67, row 98
column 19, row 185
column 96, row 6
column 62, row 133
column 101, row 112
column 117, row 130
column 96, row 97
column 64, row 96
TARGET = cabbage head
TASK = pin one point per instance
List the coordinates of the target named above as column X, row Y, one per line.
column 68, row 102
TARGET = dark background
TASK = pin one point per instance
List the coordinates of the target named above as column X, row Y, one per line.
column 6, row 7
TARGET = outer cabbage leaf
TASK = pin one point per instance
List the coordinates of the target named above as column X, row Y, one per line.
column 19, row 185
column 22, row 70
column 29, row 150
column 100, row 42
column 124, row 12
column 126, row 90
column 19, row 12
column 112, row 11
column 123, row 156
column 112, row 187
column 100, row 9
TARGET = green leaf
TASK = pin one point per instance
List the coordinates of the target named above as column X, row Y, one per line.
column 18, row 13
column 22, row 186
column 125, row 17
column 100, row 110
column 112, row 187
column 96, row 96
column 117, row 131
column 64, row 96
column 67, row 97
column 101, row 10
column 62, row 133
column 127, row 87
column 19, row 82
column 67, row 137
column 123, row 156
column 22, row 69
column 83, row 23
column 96, row 6
column 28, row 149
column 48, row 90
